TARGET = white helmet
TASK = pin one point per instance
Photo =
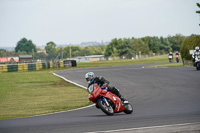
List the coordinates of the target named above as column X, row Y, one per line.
column 90, row 76
column 197, row 48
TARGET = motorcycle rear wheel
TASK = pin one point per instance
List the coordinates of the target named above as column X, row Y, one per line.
column 129, row 108
column 106, row 109
column 197, row 66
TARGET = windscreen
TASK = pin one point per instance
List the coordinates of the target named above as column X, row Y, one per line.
column 91, row 88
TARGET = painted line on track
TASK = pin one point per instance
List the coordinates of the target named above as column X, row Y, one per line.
column 70, row 81
column 175, row 128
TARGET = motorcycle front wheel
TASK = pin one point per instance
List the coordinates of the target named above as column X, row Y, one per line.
column 105, row 108
column 129, row 108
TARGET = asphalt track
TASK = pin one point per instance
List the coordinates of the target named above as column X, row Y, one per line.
column 160, row 96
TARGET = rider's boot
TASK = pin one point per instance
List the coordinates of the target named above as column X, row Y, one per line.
column 123, row 99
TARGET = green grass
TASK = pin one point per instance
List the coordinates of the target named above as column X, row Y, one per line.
column 155, row 59
column 168, row 65
column 39, row 92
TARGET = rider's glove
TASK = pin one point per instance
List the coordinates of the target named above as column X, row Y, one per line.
column 104, row 85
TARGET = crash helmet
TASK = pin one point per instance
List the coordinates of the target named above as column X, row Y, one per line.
column 170, row 52
column 90, row 76
column 197, row 48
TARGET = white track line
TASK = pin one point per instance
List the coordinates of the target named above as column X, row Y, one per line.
column 157, row 129
column 70, row 81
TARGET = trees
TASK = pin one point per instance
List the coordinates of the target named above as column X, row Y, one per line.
column 139, row 46
column 176, row 41
column 41, row 56
column 111, row 49
column 51, row 50
column 127, row 48
column 130, row 47
column 153, row 43
column 189, row 44
column 25, row 45
column 2, row 53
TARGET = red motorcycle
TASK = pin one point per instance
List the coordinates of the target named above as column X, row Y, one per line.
column 177, row 58
column 108, row 102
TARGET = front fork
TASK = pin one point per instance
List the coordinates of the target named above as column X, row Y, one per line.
column 105, row 100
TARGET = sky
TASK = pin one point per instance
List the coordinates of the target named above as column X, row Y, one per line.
column 76, row 21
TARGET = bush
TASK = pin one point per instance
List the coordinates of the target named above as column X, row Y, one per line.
column 189, row 44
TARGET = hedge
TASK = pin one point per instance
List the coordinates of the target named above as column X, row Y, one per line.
column 189, row 44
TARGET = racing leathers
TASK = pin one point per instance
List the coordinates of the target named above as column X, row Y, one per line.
column 194, row 56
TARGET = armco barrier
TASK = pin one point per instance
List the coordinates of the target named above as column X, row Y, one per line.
column 43, row 65
column 20, row 67
column 12, row 68
column 5, row 69
column 61, row 64
column 24, row 67
column 51, row 64
column 69, row 63
column 1, row 68
column 32, row 67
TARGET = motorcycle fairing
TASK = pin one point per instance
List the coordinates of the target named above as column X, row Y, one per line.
column 107, row 94
column 116, row 100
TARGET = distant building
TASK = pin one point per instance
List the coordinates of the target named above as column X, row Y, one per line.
column 8, row 59
column 89, row 58
column 42, row 51
column 25, row 58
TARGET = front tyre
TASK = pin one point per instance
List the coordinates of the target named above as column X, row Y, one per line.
column 129, row 108
column 105, row 108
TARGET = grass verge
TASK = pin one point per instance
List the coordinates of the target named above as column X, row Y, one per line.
column 155, row 59
column 168, row 65
column 32, row 93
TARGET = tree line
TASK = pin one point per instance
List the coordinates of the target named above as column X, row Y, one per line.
column 129, row 47
column 25, row 46
column 126, row 48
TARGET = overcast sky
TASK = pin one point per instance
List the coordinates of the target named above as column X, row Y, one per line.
column 76, row 21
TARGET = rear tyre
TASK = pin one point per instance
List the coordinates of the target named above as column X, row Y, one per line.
column 129, row 108
column 197, row 66
column 106, row 109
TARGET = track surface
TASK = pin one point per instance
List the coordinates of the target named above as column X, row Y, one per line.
column 160, row 96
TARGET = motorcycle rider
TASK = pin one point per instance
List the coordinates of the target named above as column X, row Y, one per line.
column 177, row 56
column 195, row 54
column 177, row 53
column 170, row 56
column 103, row 83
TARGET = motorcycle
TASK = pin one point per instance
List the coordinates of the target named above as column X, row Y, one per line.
column 108, row 102
column 170, row 58
column 197, row 62
column 177, row 58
